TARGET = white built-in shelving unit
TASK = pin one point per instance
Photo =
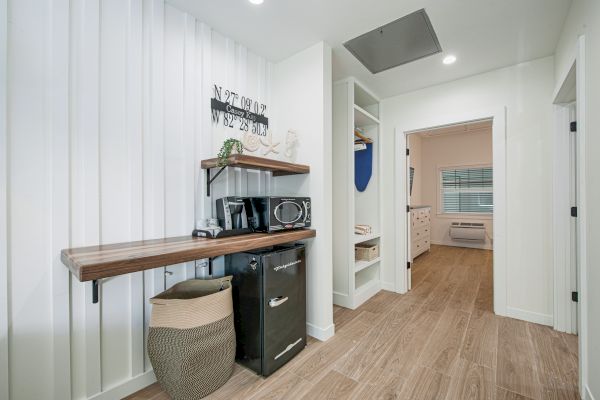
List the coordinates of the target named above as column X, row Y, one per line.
column 354, row 282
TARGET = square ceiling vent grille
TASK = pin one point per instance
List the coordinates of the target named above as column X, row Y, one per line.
column 407, row 39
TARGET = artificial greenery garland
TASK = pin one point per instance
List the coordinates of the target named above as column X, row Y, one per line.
column 226, row 149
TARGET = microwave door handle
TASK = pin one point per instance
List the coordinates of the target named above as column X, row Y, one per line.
column 305, row 211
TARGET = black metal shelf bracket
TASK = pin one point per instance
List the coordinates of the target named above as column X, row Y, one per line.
column 210, row 180
column 95, row 291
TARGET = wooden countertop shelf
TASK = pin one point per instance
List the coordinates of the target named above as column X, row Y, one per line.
column 279, row 168
column 104, row 261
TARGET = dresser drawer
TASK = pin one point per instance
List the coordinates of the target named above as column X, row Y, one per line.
column 420, row 233
column 419, row 247
column 423, row 212
column 420, row 222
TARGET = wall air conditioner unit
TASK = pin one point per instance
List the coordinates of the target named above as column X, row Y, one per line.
column 467, row 231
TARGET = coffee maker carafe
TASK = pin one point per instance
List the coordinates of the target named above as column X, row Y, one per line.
column 231, row 212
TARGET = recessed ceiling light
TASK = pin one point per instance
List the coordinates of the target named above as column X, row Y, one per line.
column 449, row 59
column 256, row 1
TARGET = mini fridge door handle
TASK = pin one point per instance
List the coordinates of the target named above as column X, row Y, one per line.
column 277, row 301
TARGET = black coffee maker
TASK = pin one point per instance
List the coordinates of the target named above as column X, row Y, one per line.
column 231, row 212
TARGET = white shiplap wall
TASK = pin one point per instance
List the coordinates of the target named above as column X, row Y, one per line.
column 3, row 206
column 109, row 117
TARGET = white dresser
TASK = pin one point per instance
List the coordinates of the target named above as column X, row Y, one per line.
column 420, row 230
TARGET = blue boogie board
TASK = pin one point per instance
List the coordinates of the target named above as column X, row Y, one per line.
column 363, row 167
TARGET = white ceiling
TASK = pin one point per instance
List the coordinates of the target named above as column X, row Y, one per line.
column 483, row 34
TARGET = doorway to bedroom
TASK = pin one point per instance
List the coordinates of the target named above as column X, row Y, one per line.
column 450, row 217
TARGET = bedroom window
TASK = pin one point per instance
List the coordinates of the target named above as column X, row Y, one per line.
column 467, row 190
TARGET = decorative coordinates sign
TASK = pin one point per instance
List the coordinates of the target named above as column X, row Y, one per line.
column 238, row 112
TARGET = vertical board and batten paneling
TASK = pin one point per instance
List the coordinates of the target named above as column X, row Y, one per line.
column 29, row 197
column 176, row 146
column 204, row 85
column 85, row 190
column 116, row 183
column 133, row 124
column 57, row 170
column 4, row 380
column 153, row 180
column 110, row 117
column 192, row 160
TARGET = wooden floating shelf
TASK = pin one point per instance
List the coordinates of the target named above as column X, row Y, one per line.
column 104, row 261
column 279, row 168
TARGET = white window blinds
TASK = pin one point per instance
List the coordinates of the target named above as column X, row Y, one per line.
column 467, row 190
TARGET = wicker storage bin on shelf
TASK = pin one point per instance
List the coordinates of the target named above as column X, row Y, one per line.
column 366, row 252
column 191, row 341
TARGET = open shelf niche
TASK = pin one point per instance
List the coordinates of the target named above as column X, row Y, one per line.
column 355, row 281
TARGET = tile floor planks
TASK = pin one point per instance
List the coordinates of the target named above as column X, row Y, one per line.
column 425, row 384
column 471, row 381
column 439, row 341
column 516, row 369
column 481, row 339
column 332, row 386
column 445, row 343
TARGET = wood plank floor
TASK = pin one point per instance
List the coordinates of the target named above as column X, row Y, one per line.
column 440, row 341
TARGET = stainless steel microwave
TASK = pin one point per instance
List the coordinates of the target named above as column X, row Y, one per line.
column 272, row 214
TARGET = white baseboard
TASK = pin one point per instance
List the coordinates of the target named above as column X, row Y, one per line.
column 126, row 388
column 588, row 394
column 359, row 296
column 319, row 333
column 529, row 316
column 389, row 286
column 365, row 293
column 342, row 300
column 485, row 246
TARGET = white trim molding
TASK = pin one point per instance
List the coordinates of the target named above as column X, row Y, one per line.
column 562, row 222
column 126, row 388
column 476, row 245
column 498, row 116
column 564, row 312
column 319, row 333
column 587, row 395
column 582, row 211
column 401, row 234
column 537, row 318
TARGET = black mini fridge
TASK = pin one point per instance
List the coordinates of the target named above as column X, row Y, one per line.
column 269, row 301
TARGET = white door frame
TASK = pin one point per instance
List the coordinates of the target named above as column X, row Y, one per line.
column 576, row 78
column 498, row 116
column 564, row 317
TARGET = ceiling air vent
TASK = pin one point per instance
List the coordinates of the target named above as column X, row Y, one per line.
column 407, row 39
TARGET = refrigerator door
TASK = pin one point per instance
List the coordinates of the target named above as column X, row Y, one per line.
column 247, row 300
column 284, row 302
